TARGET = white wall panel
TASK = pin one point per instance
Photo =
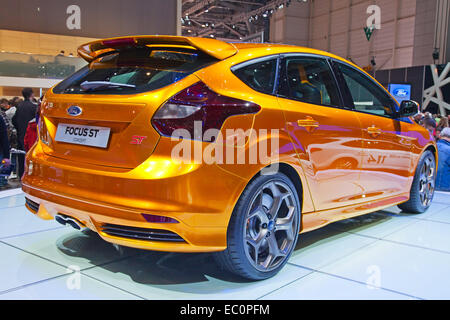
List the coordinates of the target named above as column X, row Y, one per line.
column 338, row 44
column 298, row 28
column 336, row 5
column 321, row 7
column 407, row 8
column 339, row 21
column 384, row 39
column 388, row 10
column 358, row 44
column 403, row 57
column 405, row 32
column 320, row 27
column 321, row 44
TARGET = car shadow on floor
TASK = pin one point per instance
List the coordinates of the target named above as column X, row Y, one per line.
column 142, row 266
column 165, row 268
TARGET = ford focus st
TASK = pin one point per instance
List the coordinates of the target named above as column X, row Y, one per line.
column 197, row 145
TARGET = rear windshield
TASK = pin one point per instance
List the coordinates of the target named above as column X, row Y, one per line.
column 138, row 70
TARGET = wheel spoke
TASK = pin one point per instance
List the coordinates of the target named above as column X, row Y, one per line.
column 257, row 212
column 287, row 224
column 274, row 251
column 256, row 243
column 278, row 198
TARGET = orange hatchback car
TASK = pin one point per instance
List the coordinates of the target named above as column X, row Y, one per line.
column 197, row 145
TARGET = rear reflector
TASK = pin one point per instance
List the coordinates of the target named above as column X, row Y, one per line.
column 158, row 219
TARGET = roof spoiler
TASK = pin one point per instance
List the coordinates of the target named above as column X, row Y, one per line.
column 216, row 48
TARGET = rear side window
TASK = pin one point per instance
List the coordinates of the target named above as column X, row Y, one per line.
column 259, row 76
column 309, row 80
column 134, row 70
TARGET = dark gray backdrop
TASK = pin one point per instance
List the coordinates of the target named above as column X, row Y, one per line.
column 99, row 18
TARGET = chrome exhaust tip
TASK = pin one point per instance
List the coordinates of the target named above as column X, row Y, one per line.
column 65, row 220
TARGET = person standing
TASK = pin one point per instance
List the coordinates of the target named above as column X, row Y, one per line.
column 12, row 107
column 443, row 123
column 443, row 171
column 4, row 142
column 430, row 125
column 26, row 111
column 12, row 133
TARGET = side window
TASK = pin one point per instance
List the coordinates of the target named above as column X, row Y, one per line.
column 259, row 76
column 367, row 95
column 309, row 80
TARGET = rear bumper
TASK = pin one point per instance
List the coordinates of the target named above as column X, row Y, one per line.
column 200, row 197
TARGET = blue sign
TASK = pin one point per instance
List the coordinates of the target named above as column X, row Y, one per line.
column 400, row 91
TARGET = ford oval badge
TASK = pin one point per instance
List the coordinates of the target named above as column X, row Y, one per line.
column 74, row 111
column 400, row 92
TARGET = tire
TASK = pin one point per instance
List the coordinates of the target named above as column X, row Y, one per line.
column 422, row 188
column 257, row 229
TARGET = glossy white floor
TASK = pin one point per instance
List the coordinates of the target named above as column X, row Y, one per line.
column 384, row 255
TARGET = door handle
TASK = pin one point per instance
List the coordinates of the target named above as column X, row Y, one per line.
column 308, row 122
column 374, row 131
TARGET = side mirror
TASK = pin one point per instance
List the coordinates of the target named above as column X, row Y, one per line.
column 408, row 108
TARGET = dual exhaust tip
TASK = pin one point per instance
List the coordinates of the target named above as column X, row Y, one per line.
column 65, row 220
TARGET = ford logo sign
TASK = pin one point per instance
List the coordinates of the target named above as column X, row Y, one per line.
column 400, row 92
column 74, row 111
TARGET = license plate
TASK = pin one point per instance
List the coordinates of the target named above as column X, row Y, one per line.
column 84, row 135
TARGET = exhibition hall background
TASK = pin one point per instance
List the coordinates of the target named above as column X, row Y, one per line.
column 34, row 32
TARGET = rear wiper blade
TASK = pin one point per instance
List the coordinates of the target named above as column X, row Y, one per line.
column 103, row 85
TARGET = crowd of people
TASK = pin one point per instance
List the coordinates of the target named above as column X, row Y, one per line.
column 18, row 129
column 434, row 123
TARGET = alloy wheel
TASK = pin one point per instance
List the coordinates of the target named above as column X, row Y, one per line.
column 271, row 226
column 427, row 181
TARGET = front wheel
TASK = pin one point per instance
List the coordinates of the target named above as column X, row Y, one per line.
column 263, row 229
column 422, row 189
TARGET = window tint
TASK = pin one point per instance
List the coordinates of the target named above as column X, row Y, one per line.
column 309, row 80
column 137, row 70
column 259, row 76
column 367, row 95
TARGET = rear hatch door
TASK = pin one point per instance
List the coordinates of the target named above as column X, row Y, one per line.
column 102, row 114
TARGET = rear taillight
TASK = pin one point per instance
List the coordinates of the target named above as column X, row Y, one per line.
column 199, row 103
